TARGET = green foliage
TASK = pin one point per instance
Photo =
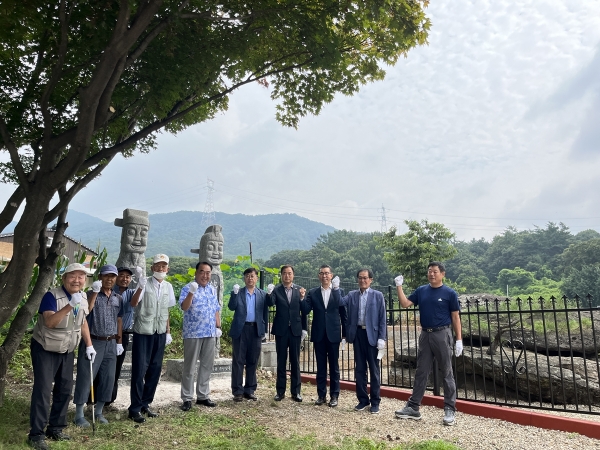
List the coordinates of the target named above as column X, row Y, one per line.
column 345, row 251
column 411, row 252
column 516, row 278
column 582, row 282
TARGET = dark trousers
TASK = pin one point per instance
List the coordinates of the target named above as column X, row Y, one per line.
column 326, row 351
column 246, row 350
column 120, row 360
column 365, row 353
column 103, row 370
column 146, row 365
column 48, row 368
column 436, row 345
column 282, row 345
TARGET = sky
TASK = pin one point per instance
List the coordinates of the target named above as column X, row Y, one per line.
column 494, row 123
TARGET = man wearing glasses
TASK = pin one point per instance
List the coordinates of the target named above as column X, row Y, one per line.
column 247, row 330
column 327, row 330
column 367, row 332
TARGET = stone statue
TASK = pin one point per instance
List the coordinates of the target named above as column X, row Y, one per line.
column 211, row 251
column 134, row 239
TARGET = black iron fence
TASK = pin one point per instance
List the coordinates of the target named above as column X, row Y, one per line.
column 530, row 353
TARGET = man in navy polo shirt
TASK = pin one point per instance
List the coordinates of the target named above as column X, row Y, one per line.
column 439, row 311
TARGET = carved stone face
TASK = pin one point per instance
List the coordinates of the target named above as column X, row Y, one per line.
column 134, row 238
column 213, row 252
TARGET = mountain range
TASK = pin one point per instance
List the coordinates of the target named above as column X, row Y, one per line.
column 177, row 232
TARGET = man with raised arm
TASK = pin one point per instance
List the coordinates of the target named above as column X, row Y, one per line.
column 60, row 326
column 326, row 332
column 151, row 332
column 248, row 327
column 201, row 325
column 289, row 328
column 439, row 312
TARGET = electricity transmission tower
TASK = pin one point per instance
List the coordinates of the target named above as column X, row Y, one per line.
column 208, row 217
column 383, row 220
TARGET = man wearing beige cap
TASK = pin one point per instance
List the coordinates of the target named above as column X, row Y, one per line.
column 60, row 326
column 151, row 332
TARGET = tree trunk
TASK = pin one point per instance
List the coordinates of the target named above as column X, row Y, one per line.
column 18, row 327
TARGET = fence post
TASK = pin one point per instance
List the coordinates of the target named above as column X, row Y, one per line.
column 261, row 279
column 390, row 298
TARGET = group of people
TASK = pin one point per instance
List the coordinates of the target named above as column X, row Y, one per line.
column 98, row 322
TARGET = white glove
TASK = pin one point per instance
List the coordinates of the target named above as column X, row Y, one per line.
column 138, row 272
column 380, row 344
column 90, row 353
column 75, row 299
column 270, row 288
column 96, row 286
column 193, row 287
column 304, row 334
column 343, row 344
column 142, row 282
column 459, row 348
column 335, row 283
column 169, row 339
column 399, row 280
column 219, row 333
column 120, row 349
column 236, row 288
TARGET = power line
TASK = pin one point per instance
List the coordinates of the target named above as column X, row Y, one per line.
column 208, row 217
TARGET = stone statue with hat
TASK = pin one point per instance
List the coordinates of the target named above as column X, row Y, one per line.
column 211, row 251
column 134, row 239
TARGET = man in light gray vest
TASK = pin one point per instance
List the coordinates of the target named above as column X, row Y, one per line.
column 61, row 324
column 151, row 332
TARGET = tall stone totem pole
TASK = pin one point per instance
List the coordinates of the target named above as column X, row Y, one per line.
column 134, row 239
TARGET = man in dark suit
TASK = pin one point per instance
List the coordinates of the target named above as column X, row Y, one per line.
column 289, row 328
column 248, row 327
column 327, row 329
column 367, row 331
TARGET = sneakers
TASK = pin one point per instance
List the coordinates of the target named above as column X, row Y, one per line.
column 360, row 407
column 449, row 414
column 408, row 413
column 374, row 409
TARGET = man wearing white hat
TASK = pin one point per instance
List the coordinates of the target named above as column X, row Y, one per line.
column 106, row 330
column 151, row 332
column 60, row 326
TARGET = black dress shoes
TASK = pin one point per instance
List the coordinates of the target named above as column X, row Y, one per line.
column 297, row 398
column 137, row 417
column 250, row 397
column 238, row 398
column 58, row 436
column 149, row 412
column 279, row 397
column 320, row 401
column 186, row 406
column 206, row 402
column 333, row 402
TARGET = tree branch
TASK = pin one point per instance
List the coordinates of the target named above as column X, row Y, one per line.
column 14, row 154
column 11, row 207
column 66, row 198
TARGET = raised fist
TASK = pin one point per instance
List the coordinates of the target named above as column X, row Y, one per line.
column 270, row 288
column 236, row 288
column 399, row 280
column 193, row 287
column 96, row 286
column 75, row 299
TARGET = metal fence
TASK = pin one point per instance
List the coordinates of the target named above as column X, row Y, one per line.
column 529, row 353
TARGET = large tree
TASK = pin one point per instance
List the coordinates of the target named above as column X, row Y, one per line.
column 411, row 252
column 82, row 82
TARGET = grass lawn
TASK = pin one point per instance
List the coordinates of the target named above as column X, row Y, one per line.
column 174, row 430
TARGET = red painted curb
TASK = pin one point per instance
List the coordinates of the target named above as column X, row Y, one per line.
column 506, row 413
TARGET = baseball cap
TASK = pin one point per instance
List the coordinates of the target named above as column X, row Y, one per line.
column 125, row 269
column 160, row 258
column 108, row 268
column 75, row 266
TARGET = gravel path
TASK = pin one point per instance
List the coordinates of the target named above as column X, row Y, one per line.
column 332, row 425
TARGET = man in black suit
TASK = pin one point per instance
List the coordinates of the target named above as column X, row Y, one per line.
column 289, row 328
column 247, row 330
column 329, row 319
